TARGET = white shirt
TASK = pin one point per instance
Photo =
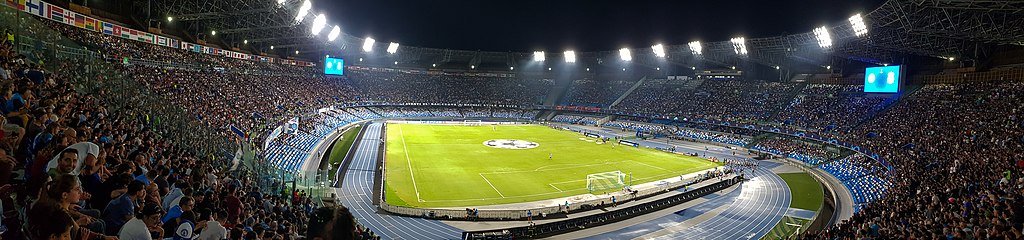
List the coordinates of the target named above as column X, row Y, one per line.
column 84, row 149
column 213, row 231
column 134, row 229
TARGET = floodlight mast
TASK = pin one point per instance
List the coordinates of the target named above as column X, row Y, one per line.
column 538, row 56
column 625, row 55
column 368, row 44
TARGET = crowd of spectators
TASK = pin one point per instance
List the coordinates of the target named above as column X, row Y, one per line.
column 955, row 150
column 828, row 108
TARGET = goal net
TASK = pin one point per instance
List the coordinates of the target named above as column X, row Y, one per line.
column 605, row 181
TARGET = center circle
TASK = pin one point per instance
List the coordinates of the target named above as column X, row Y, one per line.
column 510, row 144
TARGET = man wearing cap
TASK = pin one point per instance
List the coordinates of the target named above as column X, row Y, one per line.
column 145, row 225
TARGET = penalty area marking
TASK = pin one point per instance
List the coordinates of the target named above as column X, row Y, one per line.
column 492, row 185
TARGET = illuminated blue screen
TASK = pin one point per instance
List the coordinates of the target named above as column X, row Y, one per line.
column 882, row 79
column 334, row 66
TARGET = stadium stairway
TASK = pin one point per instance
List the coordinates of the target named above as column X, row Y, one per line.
column 790, row 95
column 626, row 93
column 559, row 91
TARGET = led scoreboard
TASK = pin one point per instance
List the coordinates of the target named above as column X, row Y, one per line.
column 334, row 66
column 882, row 79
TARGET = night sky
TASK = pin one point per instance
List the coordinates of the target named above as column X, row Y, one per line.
column 556, row 25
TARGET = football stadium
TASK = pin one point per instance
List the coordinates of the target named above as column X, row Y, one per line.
column 316, row 119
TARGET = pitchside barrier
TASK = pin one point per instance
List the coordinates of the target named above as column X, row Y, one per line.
column 573, row 224
column 629, row 143
column 459, row 123
column 591, row 135
column 538, row 213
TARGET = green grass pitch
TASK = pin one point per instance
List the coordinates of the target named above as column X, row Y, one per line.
column 453, row 168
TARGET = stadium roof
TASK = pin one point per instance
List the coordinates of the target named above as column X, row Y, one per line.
column 936, row 28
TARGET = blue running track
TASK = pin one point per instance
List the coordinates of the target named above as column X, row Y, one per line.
column 356, row 193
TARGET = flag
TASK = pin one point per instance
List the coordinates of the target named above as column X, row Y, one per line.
column 69, row 17
column 162, row 41
column 108, row 28
column 54, row 13
column 239, row 132
column 90, row 24
column 35, row 7
column 79, row 20
column 21, row 5
column 117, row 30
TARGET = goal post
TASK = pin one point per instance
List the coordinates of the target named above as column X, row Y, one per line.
column 598, row 182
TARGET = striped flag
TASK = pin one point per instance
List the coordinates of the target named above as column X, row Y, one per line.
column 91, row 24
column 108, row 28
column 79, row 20
column 162, row 41
column 54, row 13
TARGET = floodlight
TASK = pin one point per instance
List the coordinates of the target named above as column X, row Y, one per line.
column 776, row 67
column 829, row 67
column 659, row 50
column 511, row 68
column 271, row 47
column 281, row 1
column 659, row 69
column 306, row 6
column 859, row 28
column 433, row 65
column 396, row 62
column 695, row 48
column 392, row 48
column 588, row 69
column 549, row 69
column 625, row 55
column 623, row 69
column 824, row 40
column 246, row 41
column 296, row 52
column 570, row 56
column 334, row 33
column 739, row 45
column 538, row 56
column 368, row 44
column 472, row 66
column 318, row 24
column 169, row 19
column 214, row 32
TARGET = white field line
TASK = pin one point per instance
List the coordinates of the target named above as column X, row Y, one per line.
column 652, row 166
column 492, row 185
column 552, row 185
column 408, row 160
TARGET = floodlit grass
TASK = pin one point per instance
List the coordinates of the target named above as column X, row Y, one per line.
column 341, row 148
column 807, row 193
column 787, row 227
column 453, row 168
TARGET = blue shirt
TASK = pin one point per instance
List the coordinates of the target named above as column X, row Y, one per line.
column 117, row 212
